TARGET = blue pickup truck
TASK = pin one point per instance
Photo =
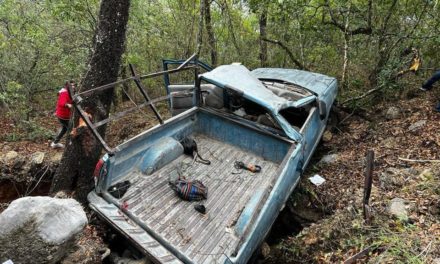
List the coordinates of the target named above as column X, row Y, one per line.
column 268, row 117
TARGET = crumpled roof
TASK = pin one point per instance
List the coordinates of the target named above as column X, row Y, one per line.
column 241, row 79
column 313, row 82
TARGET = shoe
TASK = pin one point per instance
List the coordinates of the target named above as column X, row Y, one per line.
column 56, row 145
column 424, row 89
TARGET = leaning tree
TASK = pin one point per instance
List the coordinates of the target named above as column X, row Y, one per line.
column 82, row 152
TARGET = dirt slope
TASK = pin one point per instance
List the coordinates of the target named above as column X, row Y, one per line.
column 413, row 134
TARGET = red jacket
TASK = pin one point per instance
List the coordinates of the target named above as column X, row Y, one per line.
column 62, row 111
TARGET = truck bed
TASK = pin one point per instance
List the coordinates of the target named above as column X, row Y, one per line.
column 205, row 238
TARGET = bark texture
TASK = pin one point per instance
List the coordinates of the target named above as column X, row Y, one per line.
column 263, row 35
column 210, row 31
column 82, row 152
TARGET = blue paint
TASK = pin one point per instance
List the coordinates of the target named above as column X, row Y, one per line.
column 248, row 211
column 159, row 154
column 225, row 130
column 314, row 82
column 159, row 145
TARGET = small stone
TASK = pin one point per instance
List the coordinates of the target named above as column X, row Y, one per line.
column 10, row 156
column 391, row 178
column 412, row 171
column 397, row 208
column 6, row 148
column 331, row 158
column 417, row 125
column 426, row 175
column 37, row 157
column 390, row 142
column 56, row 158
column 265, row 250
column 436, row 261
column 327, row 136
column 392, row 113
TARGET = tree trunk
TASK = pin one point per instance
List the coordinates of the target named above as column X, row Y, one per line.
column 347, row 36
column 199, row 41
column 82, row 152
column 263, row 35
column 210, row 31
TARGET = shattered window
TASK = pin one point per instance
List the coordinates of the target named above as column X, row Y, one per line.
column 296, row 116
column 235, row 104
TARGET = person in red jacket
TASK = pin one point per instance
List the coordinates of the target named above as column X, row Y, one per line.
column 63, row 112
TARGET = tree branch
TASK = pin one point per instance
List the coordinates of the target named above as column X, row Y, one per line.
column 366, row 30
column 369, row 92
column 419, row 160
column 288, row 51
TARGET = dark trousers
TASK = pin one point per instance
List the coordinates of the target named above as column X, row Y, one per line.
column 435, row 77
column 64, row 127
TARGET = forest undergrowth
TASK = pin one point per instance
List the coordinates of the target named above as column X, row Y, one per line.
column 343, row 234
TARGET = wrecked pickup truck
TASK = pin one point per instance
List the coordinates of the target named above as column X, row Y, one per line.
column 269, row 118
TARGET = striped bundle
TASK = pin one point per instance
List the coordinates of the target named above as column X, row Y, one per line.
column 190, row 190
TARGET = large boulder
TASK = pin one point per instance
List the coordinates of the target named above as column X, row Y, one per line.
column 39, row 229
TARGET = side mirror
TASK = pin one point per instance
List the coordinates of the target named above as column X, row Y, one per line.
column 322, row 106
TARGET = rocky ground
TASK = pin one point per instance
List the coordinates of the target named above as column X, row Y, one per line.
column 321, row 224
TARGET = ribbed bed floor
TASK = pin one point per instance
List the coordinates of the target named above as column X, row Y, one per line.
column 203, row 238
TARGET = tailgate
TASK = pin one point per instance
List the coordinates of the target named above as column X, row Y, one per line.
column 133, row 232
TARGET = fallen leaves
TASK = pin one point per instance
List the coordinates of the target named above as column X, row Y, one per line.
column 343, row 233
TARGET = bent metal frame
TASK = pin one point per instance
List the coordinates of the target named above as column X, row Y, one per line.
column 190, row 63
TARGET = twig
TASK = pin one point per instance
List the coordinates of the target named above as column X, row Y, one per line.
column 369, row 92
column 288, row 51
column 36, row 185
column 419, row 160
column 347, row 117
column 426, row 249
column 359, row 255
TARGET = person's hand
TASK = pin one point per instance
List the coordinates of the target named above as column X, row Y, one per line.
column 69, row 106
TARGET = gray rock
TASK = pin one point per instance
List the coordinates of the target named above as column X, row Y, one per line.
column 10, row 156
column 56, row 158
column 115, row 259
column 43, row 227
column 392, row 178
column 392, row 113
column 417, row 125
column 13, row 160
column 37, row 157
column 411, row 171
column 390, row 142
column 331, row 158
column 397, row 208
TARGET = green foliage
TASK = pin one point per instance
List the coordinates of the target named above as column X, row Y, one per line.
column 28, row 130
column 13, row 96
column 44, row 43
